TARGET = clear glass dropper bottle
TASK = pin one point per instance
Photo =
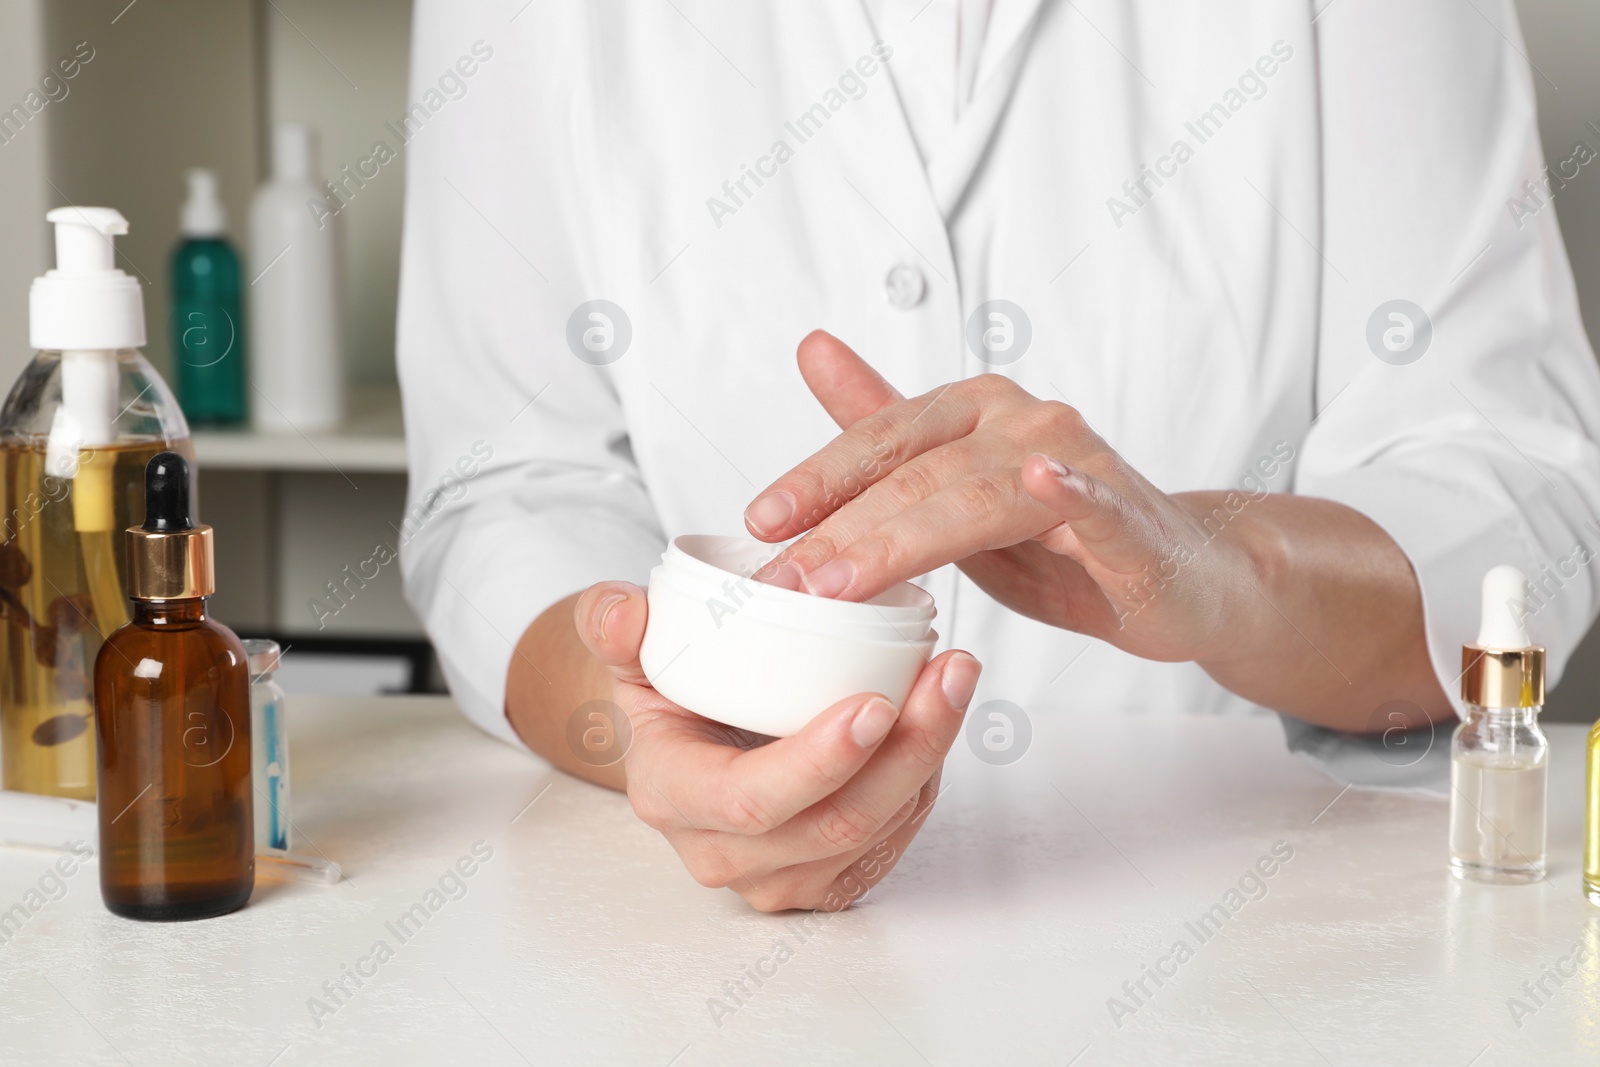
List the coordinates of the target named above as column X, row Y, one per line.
column 1499, row 758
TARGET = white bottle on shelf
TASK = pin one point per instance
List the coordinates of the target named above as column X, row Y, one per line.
column 296, row 374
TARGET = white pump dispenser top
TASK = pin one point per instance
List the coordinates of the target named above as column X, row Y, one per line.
column 87, row 310
column 1504, row 622
column 202, row 215
column 86, row 302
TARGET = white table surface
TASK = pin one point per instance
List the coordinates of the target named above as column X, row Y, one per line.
column 1035, row 891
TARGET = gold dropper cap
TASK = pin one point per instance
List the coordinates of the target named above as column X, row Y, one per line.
column 169, row 557
column 1503, row 668
column 1502, row 677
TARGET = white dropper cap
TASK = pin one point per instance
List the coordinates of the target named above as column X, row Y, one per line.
column 1503, row 668
column 294, row 152
column 1504, row 622
column 86, row 302
column 202, row 214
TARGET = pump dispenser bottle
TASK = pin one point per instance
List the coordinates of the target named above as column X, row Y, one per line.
column 172, row 713
column 1499, row 758
column 75, row 433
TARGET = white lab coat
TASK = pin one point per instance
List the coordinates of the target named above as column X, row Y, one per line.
column 1204, row 325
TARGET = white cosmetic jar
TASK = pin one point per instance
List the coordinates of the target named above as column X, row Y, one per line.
column 761, row 658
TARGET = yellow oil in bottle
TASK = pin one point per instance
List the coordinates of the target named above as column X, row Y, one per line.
column 1591, row 818
column 62, row 591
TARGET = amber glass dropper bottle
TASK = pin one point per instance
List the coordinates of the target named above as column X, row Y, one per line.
column 172, row 717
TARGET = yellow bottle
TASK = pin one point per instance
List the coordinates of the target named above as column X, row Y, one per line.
column 1591, row 818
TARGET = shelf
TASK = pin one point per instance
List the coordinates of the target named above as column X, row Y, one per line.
column 372, row 439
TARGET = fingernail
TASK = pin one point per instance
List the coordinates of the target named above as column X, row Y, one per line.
column 769, row 513
column 785, row 575
column 832, row 578
column 872, row 722
column 1056, row 468
column 603, row 610
column 960, row 680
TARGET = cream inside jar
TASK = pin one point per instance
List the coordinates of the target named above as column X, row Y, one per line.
column 755, row 656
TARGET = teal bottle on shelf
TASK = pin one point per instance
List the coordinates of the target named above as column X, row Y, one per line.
column 207, row 319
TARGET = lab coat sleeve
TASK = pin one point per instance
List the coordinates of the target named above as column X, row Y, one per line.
column 522, row 485
column 1481, row 449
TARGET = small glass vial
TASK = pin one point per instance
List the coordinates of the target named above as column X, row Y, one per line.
column 269, row 752
column 1499, row 758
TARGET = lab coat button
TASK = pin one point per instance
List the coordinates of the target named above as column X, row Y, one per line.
column 903, row 286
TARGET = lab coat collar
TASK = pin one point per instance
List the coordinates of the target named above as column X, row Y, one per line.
column 1005, row 48
column 1009, row 23
column 952, row 165
column 878, row 159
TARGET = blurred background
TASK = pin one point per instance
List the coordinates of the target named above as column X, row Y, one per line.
column 175, row 84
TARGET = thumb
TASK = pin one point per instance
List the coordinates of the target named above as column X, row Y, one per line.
column 844, row 383
column 610, row 618
column 1099, row 525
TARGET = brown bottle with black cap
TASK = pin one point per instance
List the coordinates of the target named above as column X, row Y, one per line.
column 172, row 717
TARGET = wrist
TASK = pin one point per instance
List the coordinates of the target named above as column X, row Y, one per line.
column 1245, row 557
